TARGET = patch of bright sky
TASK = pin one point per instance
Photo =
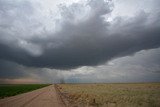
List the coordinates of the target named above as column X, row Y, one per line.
column 48, row 12
column 129, row 7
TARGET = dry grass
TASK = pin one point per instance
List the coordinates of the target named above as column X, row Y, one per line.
column 113, row 95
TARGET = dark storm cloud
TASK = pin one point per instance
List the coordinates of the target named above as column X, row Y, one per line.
column 11, row 70
column 88, row 41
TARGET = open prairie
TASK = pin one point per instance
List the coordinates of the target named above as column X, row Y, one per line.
column 112, row 95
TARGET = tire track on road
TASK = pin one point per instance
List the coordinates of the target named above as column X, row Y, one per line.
column 31, row 100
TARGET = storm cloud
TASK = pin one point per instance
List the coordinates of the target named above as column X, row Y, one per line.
column 11, row 70
column 79, row 41
column 82, row 35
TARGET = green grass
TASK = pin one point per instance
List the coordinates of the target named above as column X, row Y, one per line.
column 7, row 90
column 113, row 95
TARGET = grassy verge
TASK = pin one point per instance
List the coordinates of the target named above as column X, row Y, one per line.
column 11, row 90
column 113, row 95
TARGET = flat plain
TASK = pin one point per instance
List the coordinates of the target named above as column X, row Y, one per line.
column 112, row 95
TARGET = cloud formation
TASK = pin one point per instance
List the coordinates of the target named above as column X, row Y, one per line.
column 82, row 35
column 11, row 70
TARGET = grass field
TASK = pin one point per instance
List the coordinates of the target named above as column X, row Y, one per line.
column 112, row 95
column 11, row 90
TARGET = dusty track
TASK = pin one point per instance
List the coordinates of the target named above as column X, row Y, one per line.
column 44, row 97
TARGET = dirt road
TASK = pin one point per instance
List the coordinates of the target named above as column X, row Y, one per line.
column 44, row 97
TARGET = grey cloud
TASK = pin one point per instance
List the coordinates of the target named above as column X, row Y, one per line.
column 88, row 41
column 144, row 66
column 11, row 70
column 13, row 13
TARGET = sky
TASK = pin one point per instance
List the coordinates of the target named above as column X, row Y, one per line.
column 79, row 41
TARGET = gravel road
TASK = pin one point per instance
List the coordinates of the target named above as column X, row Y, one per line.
column 44, row 97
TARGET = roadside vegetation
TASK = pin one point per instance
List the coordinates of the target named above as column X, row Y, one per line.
column 112, row 95
column 7, row 90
